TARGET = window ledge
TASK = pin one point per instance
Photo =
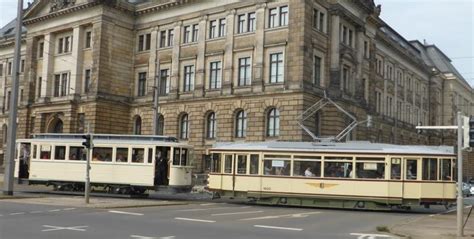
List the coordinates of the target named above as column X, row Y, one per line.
column 165, row 48
column 216, row 39
column 242, row 34
column 64, row 53
column 268, row 29
column 189, row 43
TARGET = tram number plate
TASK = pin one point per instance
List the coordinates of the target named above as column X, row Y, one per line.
column 267, row 188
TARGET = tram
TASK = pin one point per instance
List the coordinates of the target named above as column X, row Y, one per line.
column 359, row 175
column 125, row 164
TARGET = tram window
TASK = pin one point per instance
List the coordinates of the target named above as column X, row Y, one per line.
column 59, row 152
column 34, row 151
column 138, row 155
column 338, row 169
column 102, row 154
column 121, row 155
column 77, row 153
column 150, row 155
column 396, row 168
column 276, row 167
column 216, row 163
column 228, row 164
column 162, row 153
column 45, row 152
column 370, row 170
column 254, row 164
column 430, row 169
column 411, row 170
column 184, row 157
column 307, row 168
column 445, row 169
column 241, row 164
column 176, row 158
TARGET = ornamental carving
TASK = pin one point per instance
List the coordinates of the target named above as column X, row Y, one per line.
column 57, row 5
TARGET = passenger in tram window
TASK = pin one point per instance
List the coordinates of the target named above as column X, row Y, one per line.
column 108, row 158
column 395, row 171
column 349, row 169
column 45, row 155
column 410, row 174
column 339, row 172
column 96, row 157
column 267, row 170
column 308, row 173
column 120, row 158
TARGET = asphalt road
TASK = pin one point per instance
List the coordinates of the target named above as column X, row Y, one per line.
column 193, row 221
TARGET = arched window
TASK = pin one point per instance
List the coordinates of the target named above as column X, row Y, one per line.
column 241, row 124
column 211, row 125
column 160, row 125
column 137, row 125
column 184, row 127
column 5, row 133
column 56, row 126
column 273, row 123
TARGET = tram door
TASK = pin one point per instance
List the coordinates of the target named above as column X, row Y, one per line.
column 24, row 160
column 162, row 159
column 395, row 186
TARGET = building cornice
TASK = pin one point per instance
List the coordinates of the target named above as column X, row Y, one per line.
column 158, row 7
column 337, row 9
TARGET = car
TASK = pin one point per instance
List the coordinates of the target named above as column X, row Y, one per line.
column 472, row 189
column 466, row 190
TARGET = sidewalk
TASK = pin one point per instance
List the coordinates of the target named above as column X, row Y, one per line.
column 442, row 226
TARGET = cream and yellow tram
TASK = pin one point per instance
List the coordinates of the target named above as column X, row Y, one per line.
column 344, row 175
column 119, row 163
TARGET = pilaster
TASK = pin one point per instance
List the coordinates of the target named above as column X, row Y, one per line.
column 76, row 70
column 201, row 59
column 175, row 72
column 48, row 63
column 228, row 54
column 258, row 81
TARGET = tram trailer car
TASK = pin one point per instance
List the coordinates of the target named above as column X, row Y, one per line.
column 355, row 174
column 125, row 164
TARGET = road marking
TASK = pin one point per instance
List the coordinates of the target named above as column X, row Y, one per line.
column 127, row 213
column 207, row 204
column 34, row 212
column 279, row 228
column 68, row 209
column 203, row 209
column 193, row 220
column 145, row 237
column 56, row 228
column 54, row 210
column 235, row 213
column 370, row 236
column 17, row 213
column 295, row 215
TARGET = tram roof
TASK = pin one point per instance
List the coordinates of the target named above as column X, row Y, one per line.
column 331, row 147
column 101, row 138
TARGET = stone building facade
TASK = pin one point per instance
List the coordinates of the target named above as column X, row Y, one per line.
column 228, row 71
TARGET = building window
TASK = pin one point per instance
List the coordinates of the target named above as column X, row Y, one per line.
column 217, row 28
column 22, row 65
column 389, row 106
column 184, row 127
column 64, row 44
column 195, row 33
column 61, row 84
column 5, row 133
column 160, row 125
column 162, row 38
column 215, row 76
column 87, row 80
column 211, row 126
column 345, row 78
column 187, row 34
column 317, row 71
column 1, row 69
column 273, row 123
column 319, row 19
column 241, row 124
column 164, row 82
column 141, row 84
column 276, row 68
column 144, row 42
column 278, row 17
column 7, row 104
column 244, row 71
column 88, row 39
column 188, row 78
column 9, row 72
column 246, row 23
column 40, row 50
column 366, row 49
column 378, row 101
column 170, row 37
column 137, row 125
column 40, row 85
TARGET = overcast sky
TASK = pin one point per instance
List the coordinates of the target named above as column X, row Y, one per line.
column 449, row 24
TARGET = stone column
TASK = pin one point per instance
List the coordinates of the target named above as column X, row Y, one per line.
column 48, row 63
column 258, row 82
column 199, row 86
column 334, row 88
column 228, row 54
column 152, row 61
column 359, row 86
column 76, row 78
column 175, row 72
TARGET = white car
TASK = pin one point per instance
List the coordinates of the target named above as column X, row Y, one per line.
column 472, row 189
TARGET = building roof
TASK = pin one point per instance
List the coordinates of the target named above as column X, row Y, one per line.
column 9, row 29
column 349, row 147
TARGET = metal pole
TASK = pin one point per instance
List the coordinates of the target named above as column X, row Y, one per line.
column 460, row 201
column 88, row 167
column 11, row 132
column 156, row 95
